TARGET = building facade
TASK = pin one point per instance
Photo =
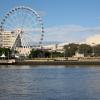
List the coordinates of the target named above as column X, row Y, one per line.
column 6, row 39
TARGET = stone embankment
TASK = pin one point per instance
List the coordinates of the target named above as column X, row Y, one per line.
column 54, row 61
column 62, row 61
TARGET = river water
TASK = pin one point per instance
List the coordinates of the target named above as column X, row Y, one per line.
column 49, row 82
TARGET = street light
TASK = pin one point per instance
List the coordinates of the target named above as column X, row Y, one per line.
column 64, row 53
column 69, row 50
column 51, row 52
column 93, row 52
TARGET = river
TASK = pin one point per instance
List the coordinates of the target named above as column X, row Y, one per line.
column 49, row 82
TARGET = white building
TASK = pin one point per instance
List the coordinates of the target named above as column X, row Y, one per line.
column 77, row 54
column 56, row 47
column 50, row 47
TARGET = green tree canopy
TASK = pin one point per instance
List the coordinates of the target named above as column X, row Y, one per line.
column 85, row 49
column 70, row 49
column 96, row 50
column 5, row 51
column 39, row 53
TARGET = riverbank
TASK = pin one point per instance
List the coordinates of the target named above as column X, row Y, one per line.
column 60, row 61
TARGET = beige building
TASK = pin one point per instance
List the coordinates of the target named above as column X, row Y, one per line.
column 24, row 51
column 6, row 39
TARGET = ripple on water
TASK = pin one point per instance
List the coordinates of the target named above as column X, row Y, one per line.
column 49, row 83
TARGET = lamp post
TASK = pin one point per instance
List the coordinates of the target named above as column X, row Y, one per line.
column 93, row 52
column 51, row 52
column 64, row 53
column 69, row 50
column 8, row 55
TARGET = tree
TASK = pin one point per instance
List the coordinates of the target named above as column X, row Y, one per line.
column 85, row 49
column 39, row 53
column 44, row 53
column 57, row 54
column 96, row 50
column 5, row 51
column 70, row 49
column 47, row 54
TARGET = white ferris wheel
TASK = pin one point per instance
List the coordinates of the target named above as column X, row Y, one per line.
column 25, row 25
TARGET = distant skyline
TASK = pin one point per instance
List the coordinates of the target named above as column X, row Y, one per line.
column 64, row 20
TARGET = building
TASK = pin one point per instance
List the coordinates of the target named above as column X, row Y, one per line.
column 6, row 39
column 77, row 54
column 56, row 47
column 23, row 51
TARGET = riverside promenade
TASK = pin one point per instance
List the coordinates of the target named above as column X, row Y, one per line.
column 53, row 61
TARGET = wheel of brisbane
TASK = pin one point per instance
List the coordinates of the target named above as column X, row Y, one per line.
column 25, row 24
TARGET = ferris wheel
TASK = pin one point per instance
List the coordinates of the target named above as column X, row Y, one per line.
column 25, row 25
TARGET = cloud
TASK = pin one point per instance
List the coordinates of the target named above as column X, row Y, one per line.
column 95, row 39
column 70, row 33
column 41, row 13
column 98, row 18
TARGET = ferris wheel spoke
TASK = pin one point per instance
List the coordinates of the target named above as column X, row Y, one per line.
column 13, row 20
column 31, row 23
column 16, row 20
column 31, row 31
column 20, row 19
column 23, row 22
column 26, row 43
column 29, row 43
column 28, row 24
column 32, row 43
column 32, row 37
column 8, row 22
column 14, row 17
column 8, row 28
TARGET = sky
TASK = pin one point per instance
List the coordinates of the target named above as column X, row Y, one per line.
column 64, row 20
